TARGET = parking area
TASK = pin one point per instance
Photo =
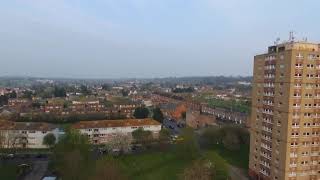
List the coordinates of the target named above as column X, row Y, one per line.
column 29, row 166
column 173, row 126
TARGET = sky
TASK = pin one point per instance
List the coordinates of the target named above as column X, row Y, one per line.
column 146, row 38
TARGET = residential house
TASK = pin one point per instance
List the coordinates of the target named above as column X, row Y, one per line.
column 195, row 119
column 100, row 132
column 26, row 134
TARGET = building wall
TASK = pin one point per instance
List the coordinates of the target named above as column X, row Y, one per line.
column 26, row 138
column 102, row 135
column 196, row 120
column 278, row 119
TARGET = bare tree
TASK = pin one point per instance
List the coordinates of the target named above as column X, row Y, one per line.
column 199, row 170
column 2, row 139
column 120, row 142
column 13, row 139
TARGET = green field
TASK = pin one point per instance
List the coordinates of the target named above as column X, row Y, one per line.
column 230, row 104
column 166, row 165
column 239, row 158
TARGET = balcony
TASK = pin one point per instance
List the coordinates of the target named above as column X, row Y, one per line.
column 268, row 112
column 265, row 164
column 268, row 104
column 267, row 121
column 293, row 165
column 293, row 155
column 296, row 106
column 296, row 117
column 264, row 172
column 267, row 129
column 314, row 154
column 269, row 94
column 266, row 138
column 265, row 156
column 292, row 174
column 266, row 147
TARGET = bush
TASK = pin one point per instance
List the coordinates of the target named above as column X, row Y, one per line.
column 141, row 113
column 188, row 146
column 230, row 136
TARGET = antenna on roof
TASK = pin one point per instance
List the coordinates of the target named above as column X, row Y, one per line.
column 276, row 42
column 291, row 36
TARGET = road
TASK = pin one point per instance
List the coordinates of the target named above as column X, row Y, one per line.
column 38, row 162
column 39, row 169
column 172, row 126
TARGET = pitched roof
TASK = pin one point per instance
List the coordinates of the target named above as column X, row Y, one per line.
column 115, row 123
column 37, row 126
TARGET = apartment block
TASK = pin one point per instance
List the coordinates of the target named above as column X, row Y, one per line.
column 26, row 134
column 102, row 131
column 286, row 113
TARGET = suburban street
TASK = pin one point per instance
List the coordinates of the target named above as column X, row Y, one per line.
column 171, row 125
column 37, row 163
column 39, row 169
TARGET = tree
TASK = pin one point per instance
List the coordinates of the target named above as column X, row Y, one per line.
column 3, row 100
column 13, row 94
column 59, row 92
column 108, row 169
column 124, row 92
column 36, row 105
column 234, row 136
column 141, row 113
column 13, row 139
column 141, row 136
column 188, row 146
column 231, row 141
column 2, row 139
column 183, row 114
column 199, row 170
column 71, row 156
column 84, row 90
column 157, row 115
column 106, row 87
column 164, row 135
column 49, row 140
column 119, row 142
column 164, row 139
column 211, row 136
column 27, row 94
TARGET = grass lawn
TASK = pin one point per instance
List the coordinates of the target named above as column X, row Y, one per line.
column 238, row 158
column 221, row 166
column 8, row 172
column 165, row 165
column 229, row 104
column 154, row 165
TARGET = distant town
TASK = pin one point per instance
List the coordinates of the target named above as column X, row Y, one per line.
column 35, row 110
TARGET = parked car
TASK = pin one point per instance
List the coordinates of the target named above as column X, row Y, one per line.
column 24, row 169
column 49, row 178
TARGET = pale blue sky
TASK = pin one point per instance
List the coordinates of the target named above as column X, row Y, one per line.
column 145, row 38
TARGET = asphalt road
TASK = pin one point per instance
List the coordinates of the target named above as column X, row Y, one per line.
column 172, row 126
column 39, row 165
column 39, row 169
